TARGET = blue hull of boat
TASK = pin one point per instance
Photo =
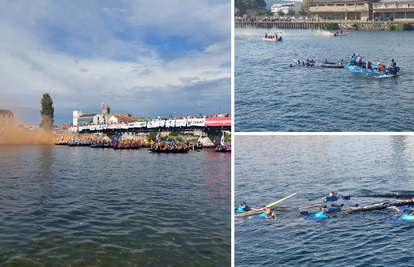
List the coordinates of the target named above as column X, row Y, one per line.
column 371, row 71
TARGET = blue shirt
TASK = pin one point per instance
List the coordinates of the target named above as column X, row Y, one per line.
column 243, row 210
column 408, row 217
column 264, row 214
column 393, row 64
column 320, row 215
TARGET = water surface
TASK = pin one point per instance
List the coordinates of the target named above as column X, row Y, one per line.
column 80, row 206
column 271, row 96
column 269, row 168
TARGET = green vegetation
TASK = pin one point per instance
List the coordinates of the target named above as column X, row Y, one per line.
column 391, row 27
column 47, row 112
column 302, row 12
column 330, row 26
column 164, row 138
column 264, row 12
column 291, row 12
column 280, row 13
column 403, row 27
column 152, row 135
column 243, row 5
column 179, row 139
column 227, row 137
column 174, row 133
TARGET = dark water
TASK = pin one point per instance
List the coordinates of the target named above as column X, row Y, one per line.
column 78, row 206
column 270, row 96
column 268, row 168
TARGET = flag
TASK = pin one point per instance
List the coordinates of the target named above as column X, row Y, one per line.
column 142, row 137
column 199, row 139
column 157, row 138
column 222, row 139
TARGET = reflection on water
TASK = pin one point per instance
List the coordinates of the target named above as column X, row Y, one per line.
column 80, row 206
column 311, row 166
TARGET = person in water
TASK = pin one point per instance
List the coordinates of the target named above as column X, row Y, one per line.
column 243, row 208
column 267, row 214
column 331, row 194
column 321, row 214
column 409, row 215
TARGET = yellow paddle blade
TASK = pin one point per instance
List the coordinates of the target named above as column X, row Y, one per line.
column 247, row 213
column 280, row 200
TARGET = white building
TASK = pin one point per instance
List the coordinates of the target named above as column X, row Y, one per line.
column 76, row 115
column 285, row 7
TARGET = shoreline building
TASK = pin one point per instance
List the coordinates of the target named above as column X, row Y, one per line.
column 395, row 9
column 79, row 118
column 285, row 7
column 342, row 9
column 6, row 117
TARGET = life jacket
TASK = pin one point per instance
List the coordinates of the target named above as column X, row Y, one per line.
column 320, row 215
column 381, row 68
column 408, row 217
column 243, row 210
column 369, row 65
column 264, row 214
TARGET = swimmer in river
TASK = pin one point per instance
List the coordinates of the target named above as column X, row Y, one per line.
column 267, row 214
column 321, row 214
column 243, row 208
column 331, row 194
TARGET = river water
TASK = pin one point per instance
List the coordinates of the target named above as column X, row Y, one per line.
column 269, row 168
column 271, row 96
column 78, row 206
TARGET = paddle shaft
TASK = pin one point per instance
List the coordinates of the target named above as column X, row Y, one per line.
column 262, row 209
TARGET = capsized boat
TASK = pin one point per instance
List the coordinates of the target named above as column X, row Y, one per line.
column 373, row 70
column 332, row 65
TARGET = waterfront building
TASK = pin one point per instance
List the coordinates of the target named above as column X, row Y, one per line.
column 116, row 119
column 342, row 9
column 285, row 7
column 6, row 117
column 86, row 119
column 386, row 9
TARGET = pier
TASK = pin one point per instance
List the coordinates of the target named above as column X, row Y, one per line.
column 320, row 25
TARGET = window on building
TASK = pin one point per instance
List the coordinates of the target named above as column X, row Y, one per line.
column 388, row 6
column 410, row 5
column 377, row 6
column 330, row 5
column 340, row 4
column 399, row 15
column 409, row 15
column 360, row 4
column 400, row 5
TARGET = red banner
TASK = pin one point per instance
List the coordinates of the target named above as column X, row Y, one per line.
column 223, row 121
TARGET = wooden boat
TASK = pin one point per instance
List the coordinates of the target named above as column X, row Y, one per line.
column 169, row 151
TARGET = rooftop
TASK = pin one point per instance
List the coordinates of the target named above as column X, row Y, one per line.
column 5, row 111
column 87, row 115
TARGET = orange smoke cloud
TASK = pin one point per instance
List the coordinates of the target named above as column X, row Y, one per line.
column 13, row 135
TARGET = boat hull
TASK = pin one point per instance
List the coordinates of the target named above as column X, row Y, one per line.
column 169, row 151
column 373, row 70
column 272, row 39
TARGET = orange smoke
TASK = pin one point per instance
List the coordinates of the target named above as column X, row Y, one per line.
column 13, row 135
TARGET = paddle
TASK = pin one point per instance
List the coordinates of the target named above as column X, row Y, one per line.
column 311, row 206
column 247, row 213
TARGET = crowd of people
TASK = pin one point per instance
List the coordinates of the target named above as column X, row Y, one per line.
column 357, row 60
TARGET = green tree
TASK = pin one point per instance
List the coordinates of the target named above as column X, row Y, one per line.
column 291, row 12
column 280, row 13
column 47, row 112
column 302, row 12
column 241, row 6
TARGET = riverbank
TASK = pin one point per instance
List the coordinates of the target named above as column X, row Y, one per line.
column 329, row 25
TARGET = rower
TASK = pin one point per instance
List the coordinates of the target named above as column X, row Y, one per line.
column 265, row 35
column 380, row 67
column 267, row 214
column 393, row 64
column 342, row 61
column 321, row 214
column 331, row 194
column 243, row 207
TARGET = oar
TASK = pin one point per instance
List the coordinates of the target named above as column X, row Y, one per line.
column 262, row 209
column 311, row 206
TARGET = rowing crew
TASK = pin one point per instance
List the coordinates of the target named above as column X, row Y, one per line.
column 270, row 36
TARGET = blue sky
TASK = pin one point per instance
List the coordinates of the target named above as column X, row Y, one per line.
column 146, row 58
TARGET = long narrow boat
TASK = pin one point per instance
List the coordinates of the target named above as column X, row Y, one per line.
column 373, row 70
column 169, row 151
column 223, row 150
column 332, row 65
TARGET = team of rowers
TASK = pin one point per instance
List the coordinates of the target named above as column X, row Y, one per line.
column 222, row 148
column 175, row 147
column 357, row 60
column 321, row 214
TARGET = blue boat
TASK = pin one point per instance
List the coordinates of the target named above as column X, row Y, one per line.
column 373, row 70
